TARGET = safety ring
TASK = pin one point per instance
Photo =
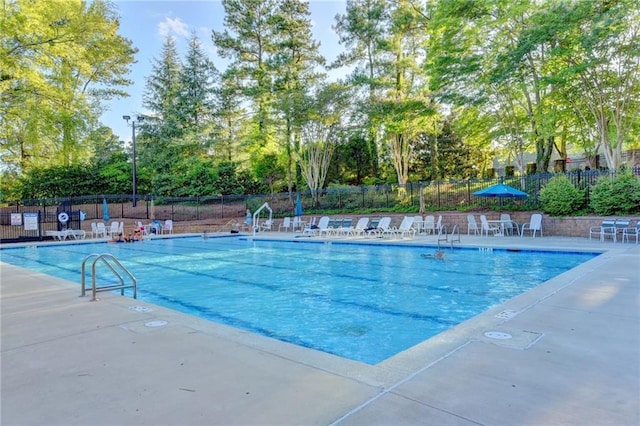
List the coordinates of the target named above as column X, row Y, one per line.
column 63, row 217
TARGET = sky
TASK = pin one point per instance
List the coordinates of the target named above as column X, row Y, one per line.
column 148, row 22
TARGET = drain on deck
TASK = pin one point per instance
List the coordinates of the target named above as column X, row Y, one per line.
column 157, row 323
column 498, row 335
column 142, row 309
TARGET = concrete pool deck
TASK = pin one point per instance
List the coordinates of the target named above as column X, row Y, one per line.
column 573, row 359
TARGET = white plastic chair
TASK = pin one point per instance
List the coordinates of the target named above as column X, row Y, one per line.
column 429, row 224
column 167, row 226
column 102, row 230
column 114, row 228
column 286, row 224
column 94, row 230
column 486, row 227
column 508, row 225
column 535, row 224
column 472, row 225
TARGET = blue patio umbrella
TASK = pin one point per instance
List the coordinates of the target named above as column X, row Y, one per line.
column 105, row 210
column 501, row 191
column 298, row 206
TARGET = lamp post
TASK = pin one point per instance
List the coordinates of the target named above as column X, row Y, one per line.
column 139, row 119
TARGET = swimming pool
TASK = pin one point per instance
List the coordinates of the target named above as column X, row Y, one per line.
column 363, row 302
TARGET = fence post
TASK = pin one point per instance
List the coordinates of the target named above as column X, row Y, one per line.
column 222, row 206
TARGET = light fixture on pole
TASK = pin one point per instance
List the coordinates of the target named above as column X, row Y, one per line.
column 139, row 119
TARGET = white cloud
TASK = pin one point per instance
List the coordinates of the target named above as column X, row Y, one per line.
column 173, row 26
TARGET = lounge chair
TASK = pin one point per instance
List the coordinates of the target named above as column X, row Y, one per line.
column 486, row 227
column 406, row 228
column 312, row 229
column 168, row 226
column 534, row 225
column 606, row 229
column 383, row 228
column 286, row 224
column 472, row 225
column 346, row 227
column 360, row 227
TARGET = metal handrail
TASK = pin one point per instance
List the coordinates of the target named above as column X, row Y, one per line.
column 443, row 233
column 105, row 258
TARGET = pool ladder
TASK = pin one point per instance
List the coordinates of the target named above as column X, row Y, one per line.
column 113, row 264
column 442, row 235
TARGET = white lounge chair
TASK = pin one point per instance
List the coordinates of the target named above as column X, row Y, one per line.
column 168, row 226
column 345, row 227
column 406, row 228
column 383, row 228
column 534, row 225
column 313, row 229
column 361, row 226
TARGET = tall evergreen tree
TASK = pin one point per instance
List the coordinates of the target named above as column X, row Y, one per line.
column 296, row 62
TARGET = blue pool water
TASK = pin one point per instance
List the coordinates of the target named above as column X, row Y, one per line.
column 363, row 302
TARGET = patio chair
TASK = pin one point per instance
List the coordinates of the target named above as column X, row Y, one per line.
column 438, row 227
column 267, row 225
column 606, row 229
column 94, row 230
column 298, row 224
column 114, row 229
column 534, row 225
column 168, row 226
column 286, row 224
column 631, row 232
column 472, row 225
column 509, row 225
column 102, row 230
column 429, row 225
column 417, row 223
column 621, row 225
column 486, row 227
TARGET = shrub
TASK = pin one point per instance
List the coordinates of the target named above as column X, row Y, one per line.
column 616, row 196
column 560, row 198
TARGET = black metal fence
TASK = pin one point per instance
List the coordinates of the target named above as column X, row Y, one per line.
column 17, row 221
